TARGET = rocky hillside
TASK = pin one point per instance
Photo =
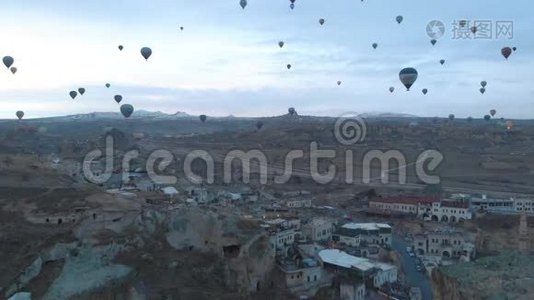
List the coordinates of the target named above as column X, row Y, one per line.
column 509, row 275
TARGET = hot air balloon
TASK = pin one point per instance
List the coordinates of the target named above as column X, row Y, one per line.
column 338, row 82
column 120, row 47
column 433, row 42
column 451, row 117
column 281, row 44
column 482, row 90
column 73, row 94
column 506, row 51
column 259, row 125
column 514, row 48
column 509, row 125
column 291, row 111
column 474, row 29
column 408, row 76
column 181, row 28
column 19, row 114
column 493, row 112
column 483, row 83
column 424, row 91
column 118, row 98
column 292, row 6
column 391, row 89
column 288, row 66
column 442, row 61
column 399, row 19
column 146, row 52
column 203, row 118
column 292, row 1
column 243, row 3
column 8, row 61
column 127, row 110
column 108, row 85
column 321, row 21
column 14, row 70
column 81, row 91
column 487, row 117
column 469, row 119
column 375, row 45
column 462, row 23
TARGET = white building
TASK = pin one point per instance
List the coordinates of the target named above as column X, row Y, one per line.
column 493, row 205
column 356, row 234
column 366, row 269
column 449, row 211
column 349, row 290
column 524, row 205
column 386, row 274
column 403, row 204
column 302, row 276
column 447, row 243
column 298, row 203
column 318, row 229
column 281, row 240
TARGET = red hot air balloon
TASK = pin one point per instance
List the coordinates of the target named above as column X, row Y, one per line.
column 506, row 51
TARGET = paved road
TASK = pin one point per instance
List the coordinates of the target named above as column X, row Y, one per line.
column 413, row 277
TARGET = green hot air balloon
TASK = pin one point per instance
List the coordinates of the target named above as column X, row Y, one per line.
column 118, row 98
column 19, row 114
column 127, row 110
column 81, row 91
column 399, row 19
column 408, row 76
column 203, row 118
column 146, row 52
column 8, row 61
column 73, row 94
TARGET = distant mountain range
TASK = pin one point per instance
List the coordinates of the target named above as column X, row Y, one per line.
column 144, row 114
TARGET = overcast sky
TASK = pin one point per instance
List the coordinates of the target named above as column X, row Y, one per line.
column 227, row 60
